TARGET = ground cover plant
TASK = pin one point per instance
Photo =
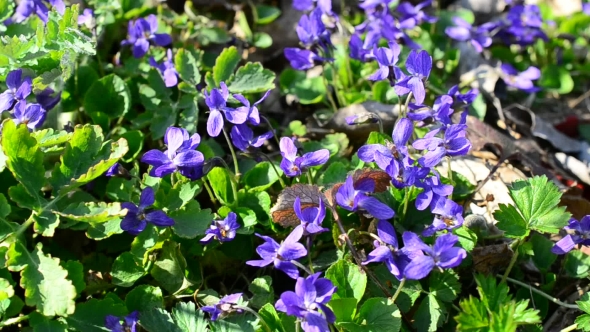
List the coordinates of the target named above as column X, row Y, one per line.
column 149, row 184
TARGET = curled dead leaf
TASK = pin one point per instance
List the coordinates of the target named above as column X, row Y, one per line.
column 382, row 179
column 491, row 259
column 282, row 212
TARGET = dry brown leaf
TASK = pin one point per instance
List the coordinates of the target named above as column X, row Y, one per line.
column 491, row 259
column 282, row 212
column 381, row 178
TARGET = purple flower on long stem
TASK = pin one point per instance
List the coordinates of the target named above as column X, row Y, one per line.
column 19, row 88
column 443, row 255
column 520, row 80
column 387, row 250
column 463, row 31
column 113, row 323
column 580, row 235
column 167, row 69
column 311, row 295
column 142, row 32
column 382, row 155
column 139, row 215
column 448, row 215
column 302, row 59
column 217, row 103
column 414, row 15
column 293, row 165
column 180, row 155
column 223, row 230
column 281, row 255
column 311, row 217
column 26, row 8
column 453, row 144
column 418, row 65
column 243, row 137
column 387, row 58
column 32, row 115
column 355, row 196
column 225, row 306
column 251, row 110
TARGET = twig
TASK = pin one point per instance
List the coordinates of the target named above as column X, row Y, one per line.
column 543, row 294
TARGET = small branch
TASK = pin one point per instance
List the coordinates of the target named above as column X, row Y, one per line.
column 543, row 294
column 398, row 290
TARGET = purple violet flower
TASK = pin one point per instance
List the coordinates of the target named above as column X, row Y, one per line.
column 113, row 170
column 448, row 215
column 441, row 111
column 434, row 189
column 86, row 18
column 26, row 8
column 412, row 16
column 311, row 217
column 453, row 144
column 443, row 255
column 293, row 165
column 580, row 235
column 387, row 251
column 387, row 58
column 216, row 100
column 398, row 151
column 363, row 118
column 138, row 216
column 180, row 155
column 307, row 5
column 311, row 295
column 224, row 307
column 360, row 50
column 524, row 24
column 312, row 31
column 523, row 80
column 463, row 31
column 19, row 88
column 32, row 115
column 167, row 69
column 281, row 255
column 113, row 323
column 462, row 99
column 143, row 31
column 418, row 65
column 355, row 196
column 223, row 230
column 251, row 110
column 301, row 59
column 47, row 101
column 243, row 137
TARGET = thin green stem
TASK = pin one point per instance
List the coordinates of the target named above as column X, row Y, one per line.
column 209, row 191
column 271, row 128
column 407, row 105
column 308, row 245
column 297, row 325
column 274, row 167
column 398, row 290
column 301, row 266
column 543, row 294
column 233, row 154
column 512, row 261
column 253, row 312
column 14, row 320
column 408, row 193
column 570, row 328
column 309, row 178
column 330, row 98
column 450, row 175
column 31, row 219
column 374, row 236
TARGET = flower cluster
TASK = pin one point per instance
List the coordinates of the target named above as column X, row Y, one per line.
column 113, row 323
column 26, row 8
column 142, row 33
column 315, row 40
column 580, row 234
column 138, row 216
column 14, row 100
column 294, row 165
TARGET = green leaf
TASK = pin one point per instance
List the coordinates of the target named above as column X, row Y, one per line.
column 577, row 264
column 186, row 65
column 262, row 40
column 24, row 159
column 126, row 270
column 307, row 90
column 583, row 321
column 48, row 137
column 6, row 8
column 473, row 315
column 262, row 176
column 181, row 194
column 350, row 280
column 344, row 309
column 43, row 280
column 523, row 315
column 467, row 238
column 90, row 315
column 252, row 78
column 41, row 323
column 239, row 323
column 109, row 95
column 376, row 315
column 188, row 319
column 13, row 49
column 429, row 314
column 543, row 257
column 335, row 173
column 92, row 212
column 143, row 298
column 134, row 140
column 510, row 221
column 220, row 181
column 296, row 128
column 169, row 269
column 271, row 317
column 225, row 65
column 144, row 242
column 86, row 157
column 492, row 294
column 266, row 14
column 445, row 286
column 190, row 221
column 557, row 79
column 479, row 107
column 158, row 320
column 76, row 275
column 262, row 291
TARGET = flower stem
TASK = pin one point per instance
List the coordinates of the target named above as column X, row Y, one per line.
column 407, row 105
column 512, row 261
column 14, row 320
column 543, row 294
column 450, row 175
column 279, row 175
column 253, row 312
column 274, row 134
column 209, row 191
column 233, row 154
column 398, row 290
column 301, row 266
column 330, row 98
column 308, row 245
column 570, row 328
column 408, row 193
column 297, row 325
column 309, row 178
